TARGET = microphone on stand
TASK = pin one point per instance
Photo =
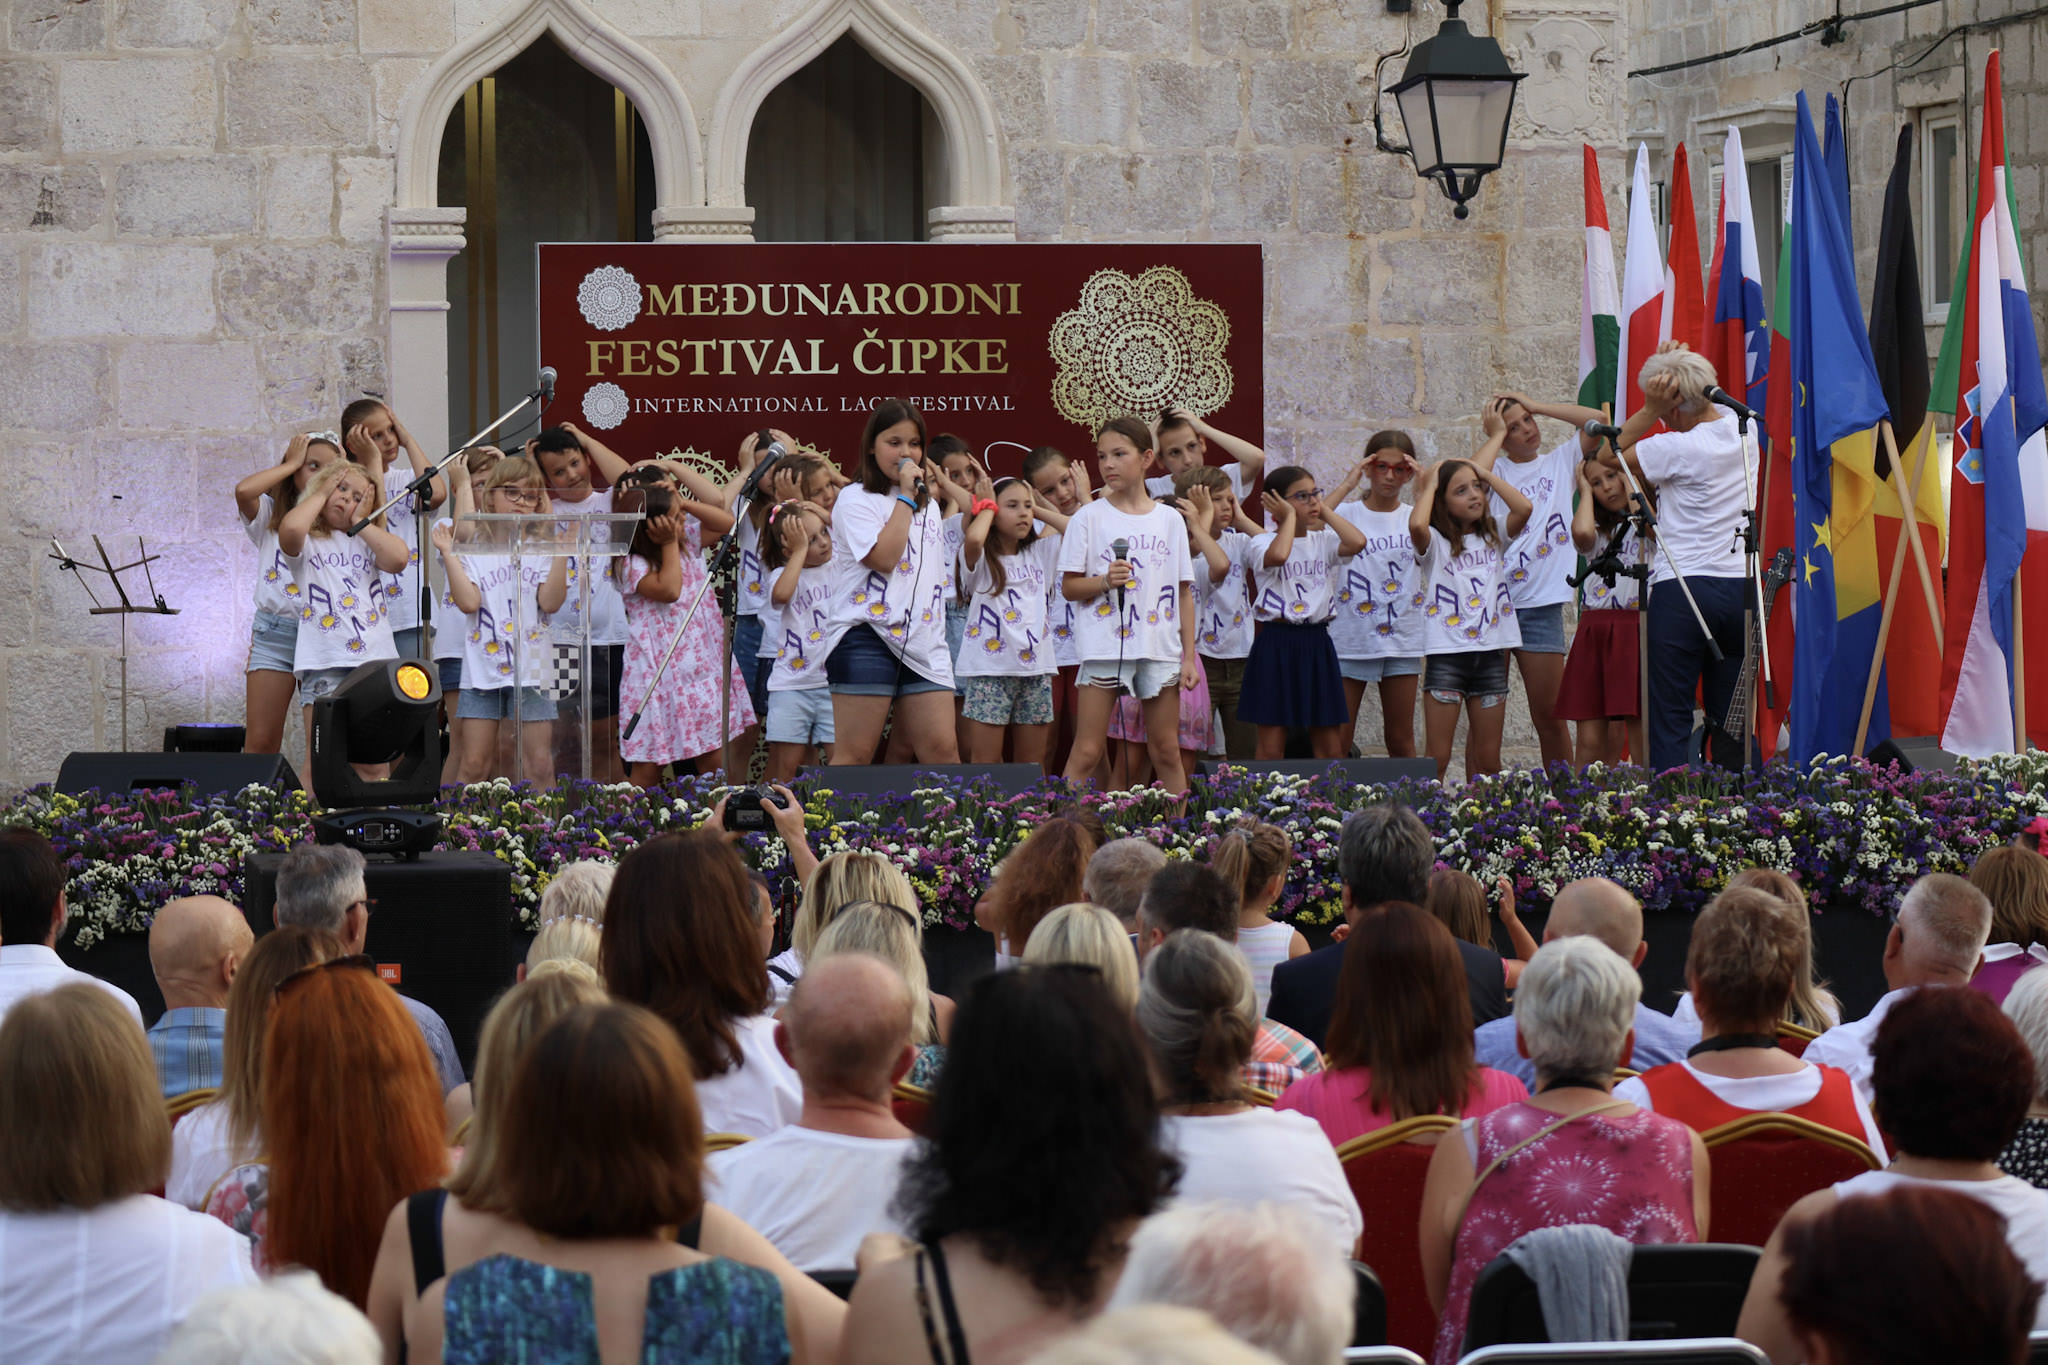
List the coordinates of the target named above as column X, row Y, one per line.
column 1720, row 396
column 1121, row 549
column 1602, row 431
column 547, row 385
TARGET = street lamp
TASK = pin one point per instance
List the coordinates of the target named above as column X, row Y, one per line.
column 1455, row 99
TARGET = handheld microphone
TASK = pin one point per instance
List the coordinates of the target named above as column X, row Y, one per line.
column 765, row 460
column 547, row 384
column 1602, row 430
column 1121, row 549
column 1720, row 396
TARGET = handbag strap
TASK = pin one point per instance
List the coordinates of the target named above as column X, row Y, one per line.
column 1541, row 1133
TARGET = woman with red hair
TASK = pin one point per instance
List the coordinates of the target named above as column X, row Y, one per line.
column 1040, row 875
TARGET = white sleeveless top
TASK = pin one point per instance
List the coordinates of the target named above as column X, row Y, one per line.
column 2024, row 1208
column 1265, row 948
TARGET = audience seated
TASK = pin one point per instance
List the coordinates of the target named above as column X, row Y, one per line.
column 591, row 1254
column 1088, row 936
column 91, row 1267
column 460, row 1106
column 195, row 946
column 1740, row 966
column 1812, row 1005
column 1384, row 853
column 836, row 882
column 221, row 1135
column 1041, row 874
column 1187, row 895
column 577, row 940
column 351, row 1123
column 817, row 1187
column 679, row 939
column 1041, row 1155
column 1263, row 1271
column 1936, row 940
column 577, row 892
column 2026, row 1156
column 1118, row 875
column 32, row 914
column 1400, row 1041
column 1952, row 1079
column 1459, row 902
column 1571, row 1153
column 2015, row 880
column 321, row 887
column 1254, row 859
column 1195, row 1009
column 1153, row 1334
column 1905, row 1277
column 287, row 1320
column 895, row 934
column 1596, row 908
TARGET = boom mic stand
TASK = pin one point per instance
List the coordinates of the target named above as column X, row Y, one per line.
column 1748, row 536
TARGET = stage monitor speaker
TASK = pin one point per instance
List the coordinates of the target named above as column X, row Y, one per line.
column 442, row 930
column 900, row 779
column 1360, row 771
column 205, row 739
column 1914, row 753
column 210, row 773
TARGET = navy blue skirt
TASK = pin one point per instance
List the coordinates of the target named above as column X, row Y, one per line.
column 1292, row 677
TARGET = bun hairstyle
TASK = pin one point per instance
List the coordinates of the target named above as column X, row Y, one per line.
column 1198, row 1011
column 1250, row 856
column 1441, row 521
column 887, row 414
column 1131, row 429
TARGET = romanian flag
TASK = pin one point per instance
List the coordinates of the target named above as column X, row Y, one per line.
column 1599, row 301
column 1990, row 362
column 1642, row 293
column 1837, row 404
column 1912, row 652
column 1685, row 304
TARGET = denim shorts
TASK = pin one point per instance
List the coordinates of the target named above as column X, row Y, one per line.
column 1542, row 629
column 1479, row 675
column 1008, row 700
column 1380, row 669
column 273, row 640
column 800, row 717
column 862, row 665
column 451, row 674
column 495, row 703
column 1142, row 678
column 746, row 644
column 956, row 629
column 316, row 683
column 408, row 641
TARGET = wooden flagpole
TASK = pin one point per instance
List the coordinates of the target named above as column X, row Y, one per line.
column 1757, row 717
column 2019, row 671
column 1909, row 496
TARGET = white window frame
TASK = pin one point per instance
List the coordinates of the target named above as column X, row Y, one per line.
column 1932, row 118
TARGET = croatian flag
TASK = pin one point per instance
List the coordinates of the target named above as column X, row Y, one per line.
column 1642, row 292
column 1599, row 301
column 1999, row 493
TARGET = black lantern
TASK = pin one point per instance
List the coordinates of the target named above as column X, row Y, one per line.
column 1456, row 98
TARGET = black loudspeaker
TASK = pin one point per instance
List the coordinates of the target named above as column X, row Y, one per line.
column 900, row 779
column 442, row 930
column 1362, row 772
column 210, row 773
column 205, row 739
column 1914, row 753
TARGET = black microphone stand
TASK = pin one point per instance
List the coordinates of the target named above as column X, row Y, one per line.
column 1749, row 536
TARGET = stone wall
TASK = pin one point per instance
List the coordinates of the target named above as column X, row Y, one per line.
column 194, row 262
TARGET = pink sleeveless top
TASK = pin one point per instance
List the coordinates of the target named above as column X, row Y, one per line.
column 1631, row 1175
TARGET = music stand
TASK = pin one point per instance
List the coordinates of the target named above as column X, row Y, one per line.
column 125, row 607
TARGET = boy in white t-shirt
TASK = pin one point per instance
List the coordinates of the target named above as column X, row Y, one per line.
column 1124, row 563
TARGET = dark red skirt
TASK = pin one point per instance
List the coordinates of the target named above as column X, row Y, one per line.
column 1602, row 674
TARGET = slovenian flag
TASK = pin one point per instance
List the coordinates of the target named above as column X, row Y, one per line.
column 1599, row 301
column 1642, row 293
column 1998, row 497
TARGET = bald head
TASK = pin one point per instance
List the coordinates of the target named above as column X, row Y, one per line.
column 1600, row 909
column 195, row 945
column 847, row 1027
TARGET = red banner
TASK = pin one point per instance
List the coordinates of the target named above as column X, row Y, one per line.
column 1008, row 345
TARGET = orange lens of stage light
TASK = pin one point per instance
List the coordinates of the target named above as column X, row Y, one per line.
column 412, row 680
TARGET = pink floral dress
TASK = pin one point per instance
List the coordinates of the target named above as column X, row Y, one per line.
column 681, row 720
column 1631, row 1175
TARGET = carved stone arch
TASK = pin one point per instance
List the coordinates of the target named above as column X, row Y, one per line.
column 975, row 202
column 591, row 41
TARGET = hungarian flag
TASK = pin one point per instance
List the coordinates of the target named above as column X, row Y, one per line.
column 1685, row 305
column 1998, row 495
column 1642, row 293
column 1912, row 652
column 1599, row 304
column 1837, row 405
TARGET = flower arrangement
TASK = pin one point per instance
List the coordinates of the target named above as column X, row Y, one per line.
column 1855, row 835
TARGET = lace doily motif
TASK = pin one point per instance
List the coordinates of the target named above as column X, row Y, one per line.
column 1134, row 346
column 605, row 406
column 609, row 297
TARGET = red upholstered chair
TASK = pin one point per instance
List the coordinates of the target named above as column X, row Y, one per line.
column 177, row 1106
column 1793, row 1038
column 913, row 1105
column 1386, row 1170
column 1763, row 1164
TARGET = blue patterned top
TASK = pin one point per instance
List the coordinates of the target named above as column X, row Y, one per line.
column 506, row 1311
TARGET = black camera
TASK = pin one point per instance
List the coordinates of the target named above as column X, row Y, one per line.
column 747, row 810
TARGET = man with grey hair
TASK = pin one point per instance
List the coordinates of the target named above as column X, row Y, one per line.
column 816, row 1187
column 1699, row 467
column 1117, row 877
column 1937, row 939
column 320, row 886
column 1594, row 907
column 1264, row 1271
column 1384, row 853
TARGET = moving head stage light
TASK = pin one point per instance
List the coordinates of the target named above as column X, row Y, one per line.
column 383, row 713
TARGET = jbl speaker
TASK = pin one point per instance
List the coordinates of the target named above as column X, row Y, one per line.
column 900, row 779
column 1914, row 753
column 441, row 930
column 1358, row 771
column 210, row 773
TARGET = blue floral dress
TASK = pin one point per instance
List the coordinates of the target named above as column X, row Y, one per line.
column 506, row 1311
